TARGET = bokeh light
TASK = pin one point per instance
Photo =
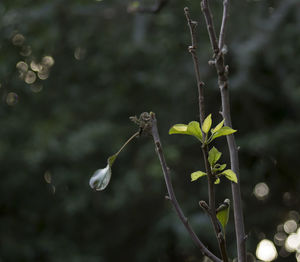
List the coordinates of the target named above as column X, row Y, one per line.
column 261, row 191
column 266, row 250
column 36, row 88
column 18, row 39
column 48, row 61
column 30, row 77
column 290, row 226
column 79, row 53
column 11, row 99
column 292, row 243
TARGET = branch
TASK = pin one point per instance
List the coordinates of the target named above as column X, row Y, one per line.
column 152, row 9
column 192, row 50
column 211, row 191
column 222, row 72
column 210, row 26
column 171, row 194
column 223, row 25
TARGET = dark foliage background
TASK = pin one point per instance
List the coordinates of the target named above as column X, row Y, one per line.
column 59, row 123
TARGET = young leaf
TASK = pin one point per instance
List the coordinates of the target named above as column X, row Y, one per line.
column 218, row 167
column 218, row 127
column 230, row 175
column 224, row 131
column 213, row 156
column 217, row 181
column 196, row 175
column 193, row 129
column 178, row 129
column 207, row 124
column 223, row 213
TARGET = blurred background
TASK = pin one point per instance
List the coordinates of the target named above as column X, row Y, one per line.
column 71, row 74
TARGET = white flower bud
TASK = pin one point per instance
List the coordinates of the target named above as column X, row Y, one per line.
column 101, row 178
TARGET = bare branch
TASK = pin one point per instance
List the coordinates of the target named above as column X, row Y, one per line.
column 223, row 25
column 210, row 26
column 171, row 194
column 192, row 50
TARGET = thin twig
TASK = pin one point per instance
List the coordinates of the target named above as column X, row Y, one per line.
column 210, row 26
column 171, row 194
column 222, row 72
column 223, row 25
column 192, row 49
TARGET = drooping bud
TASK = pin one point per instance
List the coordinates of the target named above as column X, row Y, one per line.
column 101, row 178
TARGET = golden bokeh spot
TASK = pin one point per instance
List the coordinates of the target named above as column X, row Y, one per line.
column 18, row 39
column 36, row 88
column 11, row 98
column 26, row 50
column 79, row 53
column 30, row 77
column 22, row 66
column 48, row 177
column 261, row 191
column 35, row 66
column 48, row 61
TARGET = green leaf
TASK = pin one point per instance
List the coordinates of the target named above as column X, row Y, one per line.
column 178, row 129
column 218, row 127
column 207, row 124
column 213, row 156
column 196, row 175
column 230, row 175
column 217, row 181
column 224, row 131
column 223, row 213
column 218, row 167
column 193, row 129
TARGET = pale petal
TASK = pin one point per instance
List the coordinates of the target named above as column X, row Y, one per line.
column 101, row 178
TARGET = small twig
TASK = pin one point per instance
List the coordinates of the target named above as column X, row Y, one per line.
column 210, row 26
column 171, row 193
column 152, row 9
column 192, row 49
column 223, row 25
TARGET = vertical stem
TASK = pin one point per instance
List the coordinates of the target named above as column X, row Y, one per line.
column 211, row 187
column 222, row 72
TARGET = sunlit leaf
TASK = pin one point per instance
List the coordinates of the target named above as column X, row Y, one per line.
column 230, row 175
column 197, row 174
column 207, row 124
column 223, row 213
column 213, row 156
column 218, row 127
column 193, row 129
column 218, row 167
column 217, row 181
column 224, row 131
